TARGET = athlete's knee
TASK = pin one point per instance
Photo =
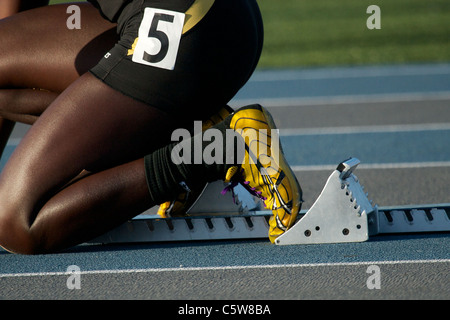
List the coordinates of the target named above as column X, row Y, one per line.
column 16, row 236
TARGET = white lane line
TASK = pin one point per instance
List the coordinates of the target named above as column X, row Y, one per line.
column 181, row 269
column 365, row 129
column 14, row 142
column 344, row 99
column 348, row 73
column 359, row 130
column 369, row 129
column 374, row 166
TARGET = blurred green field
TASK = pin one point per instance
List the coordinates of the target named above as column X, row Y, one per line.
column 329, row 32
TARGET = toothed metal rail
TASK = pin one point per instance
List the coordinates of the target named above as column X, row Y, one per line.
column 342, row 213
column 426, row 218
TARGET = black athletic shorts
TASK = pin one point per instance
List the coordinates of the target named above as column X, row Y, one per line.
column 212, row 62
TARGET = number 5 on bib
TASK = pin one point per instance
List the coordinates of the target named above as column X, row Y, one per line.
column 159, row 38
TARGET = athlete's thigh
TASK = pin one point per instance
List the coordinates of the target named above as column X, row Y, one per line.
column 89, row 124
column 39, row 50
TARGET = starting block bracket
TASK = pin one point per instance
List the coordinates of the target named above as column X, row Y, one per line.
column 342, row 213
column 338, row 215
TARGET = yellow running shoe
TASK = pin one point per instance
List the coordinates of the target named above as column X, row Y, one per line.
column 264, row 171
column 178, row 207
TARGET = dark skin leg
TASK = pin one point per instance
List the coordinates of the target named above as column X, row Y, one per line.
column 10, row 7
column 37, row 215
column 89, row 125
column 40, row 58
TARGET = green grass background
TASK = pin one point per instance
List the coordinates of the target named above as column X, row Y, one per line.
column 305, row 33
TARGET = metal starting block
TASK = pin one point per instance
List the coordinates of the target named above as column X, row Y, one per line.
column 339, row 213
column 342, row 213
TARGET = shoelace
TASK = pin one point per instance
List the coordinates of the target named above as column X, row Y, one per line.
column 239, row 178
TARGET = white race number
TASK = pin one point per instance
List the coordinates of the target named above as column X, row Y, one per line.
column 159, row 38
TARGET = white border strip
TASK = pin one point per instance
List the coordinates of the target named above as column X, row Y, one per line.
column 344, row 99
column 307, row 265
column 395, row 128
column 373, row 166
column 373, row 71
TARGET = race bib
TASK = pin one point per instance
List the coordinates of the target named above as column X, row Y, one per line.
column 159, row 38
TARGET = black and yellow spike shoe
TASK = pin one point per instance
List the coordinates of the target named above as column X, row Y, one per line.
column 264, row 171
column 178, row 207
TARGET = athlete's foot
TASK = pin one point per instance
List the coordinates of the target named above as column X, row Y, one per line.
column 264, row 171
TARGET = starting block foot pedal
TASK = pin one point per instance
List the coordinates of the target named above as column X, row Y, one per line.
column 340, row 213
